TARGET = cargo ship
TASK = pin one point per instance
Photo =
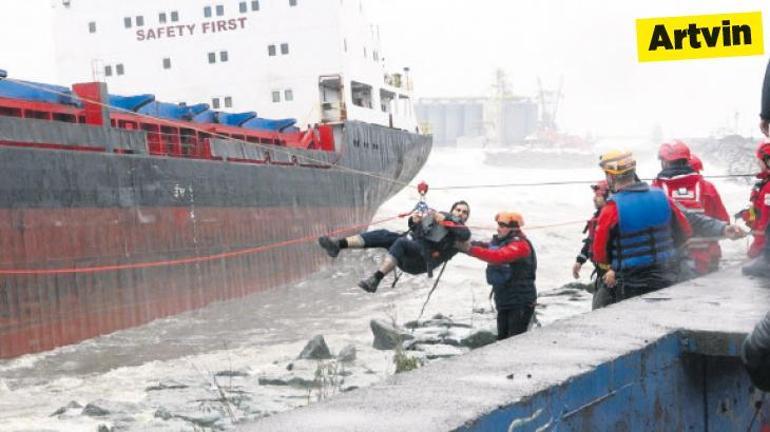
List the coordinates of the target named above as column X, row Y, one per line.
column 117, row 210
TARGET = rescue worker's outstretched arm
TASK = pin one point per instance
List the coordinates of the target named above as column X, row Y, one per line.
column 705, row 226
column 511, row 252
column 756, row 354
column 765, row 114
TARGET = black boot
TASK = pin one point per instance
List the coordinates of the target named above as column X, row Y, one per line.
column 330, row 245
column 758, row 267
column 370, row 284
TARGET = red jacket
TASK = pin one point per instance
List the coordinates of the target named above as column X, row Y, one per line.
column 760, row 214
column 703, row 195
column 608, row 219
column 511, row 252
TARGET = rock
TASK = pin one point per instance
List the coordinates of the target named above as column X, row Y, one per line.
column 479, row 339
column 93, row 410
column 438, row 320
column 204, row 421
column 103, row 428
column 290, row 367
column 62, row 410
column 433, row 352
column 316, row 349
column 293, row 381
column 231, row 373
column 171, row 385
column 347, row 354
column 163, row 413
column 386, row 336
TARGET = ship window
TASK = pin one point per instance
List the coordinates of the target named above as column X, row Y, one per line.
column 127, row 22
column 212, row 57
column 92, row 27
column 108, row 71
column 215, row 103
column 166, row 63
column 174, row 16
column 376, row 56
column 292, row 2
column 271, row 50
column 223, row 56
column 284, row 48
column 255, row 5
column 361, row 94
column 276, row 96
column 364, row 52
column 119, row 69
column 345, row 44
column 139, row 21
column 288, row 95
column 243, row 7
column 162, row 17
column 228, row 102
column 220, row 10
column 207, row 12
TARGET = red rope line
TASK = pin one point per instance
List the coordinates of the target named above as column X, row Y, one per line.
column 180, row 261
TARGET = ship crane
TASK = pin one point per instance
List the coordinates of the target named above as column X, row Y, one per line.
column 549, row 105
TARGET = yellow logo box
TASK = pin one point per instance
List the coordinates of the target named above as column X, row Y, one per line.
column 700, row 36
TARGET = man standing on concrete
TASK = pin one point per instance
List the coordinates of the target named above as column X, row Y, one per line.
column 638, row 233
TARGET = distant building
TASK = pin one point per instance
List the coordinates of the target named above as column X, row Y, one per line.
column 480, row 121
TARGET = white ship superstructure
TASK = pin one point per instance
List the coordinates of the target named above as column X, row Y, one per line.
column 313, row 60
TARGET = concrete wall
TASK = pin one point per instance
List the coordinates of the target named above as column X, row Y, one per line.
column 666, row 361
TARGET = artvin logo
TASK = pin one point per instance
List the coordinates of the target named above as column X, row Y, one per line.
column 702, row 36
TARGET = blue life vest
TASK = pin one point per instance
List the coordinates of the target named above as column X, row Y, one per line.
column 644, row 230
column 513, row 283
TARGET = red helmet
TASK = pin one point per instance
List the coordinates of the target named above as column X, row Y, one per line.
column 695, row 163
column 601, row 188
column 674, row 150
column 763, row 150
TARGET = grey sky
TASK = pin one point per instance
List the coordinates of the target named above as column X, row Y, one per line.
column 454, row 46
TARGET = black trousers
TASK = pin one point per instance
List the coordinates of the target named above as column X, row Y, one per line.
column 513, row 320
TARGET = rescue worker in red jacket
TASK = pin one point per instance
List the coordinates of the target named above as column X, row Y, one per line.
column 511, row 269
column 686, row 186
column 757, row 216
column 601, row 193
column 638, row 232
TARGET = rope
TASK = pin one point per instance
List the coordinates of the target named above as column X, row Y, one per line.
column 427, row 299
column 213, row 134
column 180, row 261
column 559, row 183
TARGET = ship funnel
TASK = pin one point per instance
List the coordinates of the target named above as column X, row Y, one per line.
column 3, row 74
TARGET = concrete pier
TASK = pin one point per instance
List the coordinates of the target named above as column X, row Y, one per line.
column 666, row 361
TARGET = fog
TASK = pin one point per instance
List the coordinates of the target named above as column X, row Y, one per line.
column 453, row 48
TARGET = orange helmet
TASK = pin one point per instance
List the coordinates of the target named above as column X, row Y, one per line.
column 617, row 162
column 763, row 150
column 695, row 163
column 510, row 219
column 673, row 150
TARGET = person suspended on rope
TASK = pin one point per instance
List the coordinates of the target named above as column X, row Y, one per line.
column 757, row 216
column 601, row 193
column 511, row 267
column 430, row 241
column 685, row 185
column 638, row 232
